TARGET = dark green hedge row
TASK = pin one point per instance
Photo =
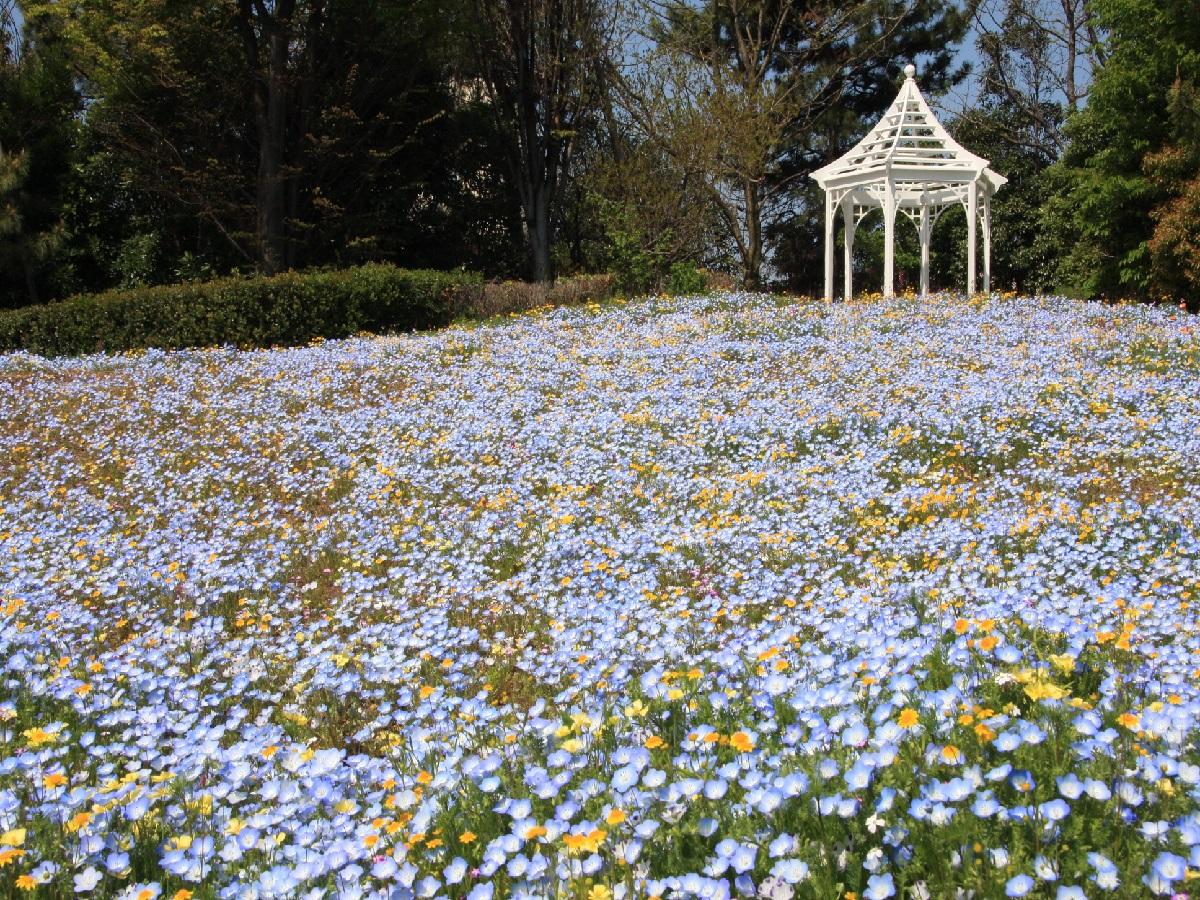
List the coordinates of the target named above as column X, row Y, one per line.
column 259, row 311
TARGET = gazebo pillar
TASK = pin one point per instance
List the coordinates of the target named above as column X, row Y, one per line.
column 848, row 256
column 889, row 239
column 926, row 230
column 987, row 243
column 829, row 220
column 972, row 215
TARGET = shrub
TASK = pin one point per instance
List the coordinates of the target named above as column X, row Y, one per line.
column 259, row 311
column 504, row 297
column 684, row 279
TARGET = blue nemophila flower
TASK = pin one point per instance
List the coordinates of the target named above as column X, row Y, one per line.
column 1019, row 885
column 792, row 871
column 1054, row 810
column 880, row 887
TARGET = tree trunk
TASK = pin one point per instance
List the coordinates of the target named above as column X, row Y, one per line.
column 1072, row 39
column 31, row 281
column 272, row 138
column 752, row 261
column 537, row 223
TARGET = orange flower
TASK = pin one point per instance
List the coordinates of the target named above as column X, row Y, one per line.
column 182, row 894
column 961, row 626
column 1129, row 720
column 654, row 742
column 909, row 718
column 615, row 817
column 533, row 832
column 27, row 883
column 989, row 643
column 951, row 754
column 53, row 780
column 467, row 837
column 9, row 855
column 741, row 742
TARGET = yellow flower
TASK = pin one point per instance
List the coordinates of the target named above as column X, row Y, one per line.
column 1129, row 720
column 741, row 742
column 53, row 780
column 599, row 892
column 1044, row 690
column 951, row 754
column 182, row 894
column 636, row 709
column 78, row 821
column 467, row 837
column 14, row 838
column 1064, row 662
column 654, row 742
column 37, row 737
column 533, row 832
column 574, row 745
column 10, row 854
column 909, row 718
column 615, row 817
column 27, row 883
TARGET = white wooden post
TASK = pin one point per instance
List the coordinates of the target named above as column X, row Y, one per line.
column 849, row 224
column 889, row 240
column 987, row 243
column 926, row 229
column 828, row 245
column 972, row 215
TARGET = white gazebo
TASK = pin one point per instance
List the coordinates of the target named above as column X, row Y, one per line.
column 908, row 163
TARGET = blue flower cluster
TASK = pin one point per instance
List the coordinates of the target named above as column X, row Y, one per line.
column 706, row 597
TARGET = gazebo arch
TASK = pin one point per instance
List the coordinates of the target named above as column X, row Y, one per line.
column 909, row 164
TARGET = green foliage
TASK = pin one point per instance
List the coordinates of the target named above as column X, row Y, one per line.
column 1109, row 193
column 685, row 279
column 38, row 103
column 259, row 311
column 632, row 262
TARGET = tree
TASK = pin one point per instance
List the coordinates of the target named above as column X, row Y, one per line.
column 542, row 67
column 281, row 133
column 37, row 132
column 1129, row 167
column 751, row 96
column 1038, row 57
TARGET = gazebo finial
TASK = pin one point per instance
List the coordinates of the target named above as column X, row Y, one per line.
column 908, row 163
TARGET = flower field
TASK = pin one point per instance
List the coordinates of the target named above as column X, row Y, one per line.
column 705, row 597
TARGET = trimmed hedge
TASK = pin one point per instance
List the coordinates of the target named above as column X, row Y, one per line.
column 248, row 312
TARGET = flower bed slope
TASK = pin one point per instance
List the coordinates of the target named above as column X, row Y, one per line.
column 721, row 595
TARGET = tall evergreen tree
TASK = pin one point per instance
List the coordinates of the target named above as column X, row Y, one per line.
column 37, row 132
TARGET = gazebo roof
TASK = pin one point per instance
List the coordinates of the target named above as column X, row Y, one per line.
column 911, row 149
